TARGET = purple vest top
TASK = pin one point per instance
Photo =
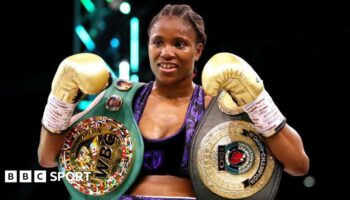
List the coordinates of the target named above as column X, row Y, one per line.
column 170, row 155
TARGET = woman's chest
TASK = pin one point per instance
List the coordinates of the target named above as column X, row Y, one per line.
column 162, row 119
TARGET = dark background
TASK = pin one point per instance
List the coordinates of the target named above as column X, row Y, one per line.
column 298, row 49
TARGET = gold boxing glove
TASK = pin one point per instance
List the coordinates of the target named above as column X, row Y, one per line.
column 77, row 75
column 226, row 71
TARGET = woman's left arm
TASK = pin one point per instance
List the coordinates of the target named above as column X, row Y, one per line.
column 288, row 148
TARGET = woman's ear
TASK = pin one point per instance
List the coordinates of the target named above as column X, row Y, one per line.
column 199, row 49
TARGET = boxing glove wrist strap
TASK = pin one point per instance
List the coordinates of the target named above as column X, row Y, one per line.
column 265, row 115
column 57, row 115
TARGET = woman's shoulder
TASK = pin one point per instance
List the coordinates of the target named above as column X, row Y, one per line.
column 207, row 100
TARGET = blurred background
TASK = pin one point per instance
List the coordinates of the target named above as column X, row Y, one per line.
column 298, row 49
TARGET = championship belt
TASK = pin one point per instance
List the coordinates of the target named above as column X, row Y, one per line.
column 228, row 159
column 104, row 147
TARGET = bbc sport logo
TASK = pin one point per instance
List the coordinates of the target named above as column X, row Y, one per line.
column 40, row 176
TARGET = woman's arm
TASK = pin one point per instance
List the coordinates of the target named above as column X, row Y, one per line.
column 49, row 147
column 231, row 73
column 288, row 148
column 51, row 144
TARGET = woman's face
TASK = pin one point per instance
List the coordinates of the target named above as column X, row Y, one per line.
column 172, row 50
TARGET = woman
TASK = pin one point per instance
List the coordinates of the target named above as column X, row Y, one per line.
column 163, row 107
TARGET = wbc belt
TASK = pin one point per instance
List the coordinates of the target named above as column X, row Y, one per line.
column 105, row 146
column 228, row 158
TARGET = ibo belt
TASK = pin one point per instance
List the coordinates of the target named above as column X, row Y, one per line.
column 228, row 158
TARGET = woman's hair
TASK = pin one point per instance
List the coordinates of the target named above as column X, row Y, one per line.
column 185, row 12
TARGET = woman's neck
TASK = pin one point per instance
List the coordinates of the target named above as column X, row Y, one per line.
column 183, row 90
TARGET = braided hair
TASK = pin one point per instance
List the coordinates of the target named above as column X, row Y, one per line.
column 185, row 12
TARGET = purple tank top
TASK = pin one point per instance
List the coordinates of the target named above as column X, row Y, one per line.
column 171, row 154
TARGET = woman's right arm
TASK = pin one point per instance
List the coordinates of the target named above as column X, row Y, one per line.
column 49, row 147
column 50, row 144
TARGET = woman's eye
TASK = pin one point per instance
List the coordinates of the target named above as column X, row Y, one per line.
column 157, row 43
column 179, row 44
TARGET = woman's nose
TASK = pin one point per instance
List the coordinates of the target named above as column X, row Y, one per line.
column 167, row 51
